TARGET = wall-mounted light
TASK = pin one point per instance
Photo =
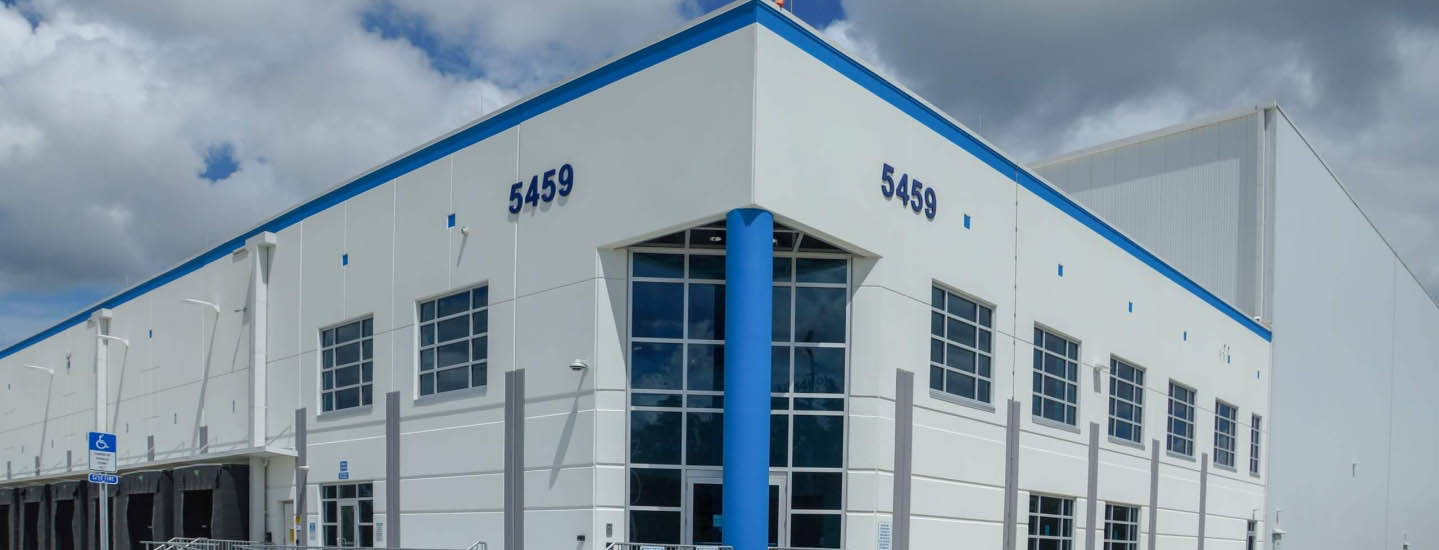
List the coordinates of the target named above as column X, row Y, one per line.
column 202, row 303
column 49, row 371
column 578, row 365
column 115, row 339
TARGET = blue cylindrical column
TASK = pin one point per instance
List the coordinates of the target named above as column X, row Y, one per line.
column 749, row 271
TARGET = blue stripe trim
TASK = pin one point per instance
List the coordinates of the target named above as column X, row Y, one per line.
column 857, row 73
column 688, row 39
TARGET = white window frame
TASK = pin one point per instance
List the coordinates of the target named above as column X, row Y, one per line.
column 1225, row 439
column 1111, row 543
column 1071, row 385
column 982, row 357
column 320, row 357
column 1255, row 434
column 1170, row 436
column 470, row 362
column 1065, row 537
column 1114, row 400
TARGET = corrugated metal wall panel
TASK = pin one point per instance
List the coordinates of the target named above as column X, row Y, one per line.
column 1194, row 197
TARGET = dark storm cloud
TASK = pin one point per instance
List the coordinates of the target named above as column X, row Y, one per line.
column 1031, row 67
column 1042, row 77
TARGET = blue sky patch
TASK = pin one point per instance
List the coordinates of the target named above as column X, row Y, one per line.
column 26, row 10
column 817, row 13
column 219, row 162
column 391, row 23
column 25, row 313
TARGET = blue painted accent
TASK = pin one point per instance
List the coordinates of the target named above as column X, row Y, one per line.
column 152, row 333
column 344, row 259
column 1061, row 270
column 450, row 221
column 741, row 16
column 1227, row 359
column 1186, row 336
column 1131, row 307
column 749, row 267
column 966, row 221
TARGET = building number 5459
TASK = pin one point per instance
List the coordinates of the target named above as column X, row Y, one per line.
column 911, row 192
column 543, row 188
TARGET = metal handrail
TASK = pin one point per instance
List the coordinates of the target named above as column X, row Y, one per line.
column 658, row 546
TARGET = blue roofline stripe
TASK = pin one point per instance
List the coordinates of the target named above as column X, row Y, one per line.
column 898, row 98
column 756, row 11
column 674, row 45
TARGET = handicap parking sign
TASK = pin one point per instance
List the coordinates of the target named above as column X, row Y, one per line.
column 102, row 452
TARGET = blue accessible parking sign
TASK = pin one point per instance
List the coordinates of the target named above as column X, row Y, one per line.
column 102, row 452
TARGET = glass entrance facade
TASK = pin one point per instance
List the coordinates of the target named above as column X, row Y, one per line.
column 677, row 383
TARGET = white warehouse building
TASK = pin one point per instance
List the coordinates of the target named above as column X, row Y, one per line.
column 732, row 288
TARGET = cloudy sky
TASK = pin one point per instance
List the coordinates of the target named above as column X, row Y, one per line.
column 136, row 134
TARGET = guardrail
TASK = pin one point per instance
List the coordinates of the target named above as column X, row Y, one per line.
column 653, row 546
column 182, row 543
column 220, row 544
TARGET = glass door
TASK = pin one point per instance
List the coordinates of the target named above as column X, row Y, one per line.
column 349, row 530
column 704, row 509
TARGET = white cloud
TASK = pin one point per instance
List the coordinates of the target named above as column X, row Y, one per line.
column 109, row 108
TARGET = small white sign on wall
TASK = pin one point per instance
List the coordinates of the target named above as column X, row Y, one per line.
column 885, row 535
column 379, row 533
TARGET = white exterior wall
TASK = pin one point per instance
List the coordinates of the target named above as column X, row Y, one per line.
column 1354, row 349
column 746, row 119
column 827, row 182
column 1357, row 436
column 1194, row 196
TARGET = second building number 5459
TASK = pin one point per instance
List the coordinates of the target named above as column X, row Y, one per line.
column 911, row 192
column 543, row 188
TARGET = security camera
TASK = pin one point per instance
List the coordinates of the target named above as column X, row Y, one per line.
column 578, row 365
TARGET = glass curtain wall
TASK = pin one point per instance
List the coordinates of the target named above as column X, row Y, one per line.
column 677, row 389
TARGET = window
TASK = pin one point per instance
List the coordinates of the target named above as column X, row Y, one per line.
column 1254, row 435
column 959, row 345
column 1181, row 420
column 347, row 371
column 676, row 382
column 1126, row 401
column 349, row 515
column 1056, row 377
column 454, row 341
column 1250, row 527
column 1121, row 527
column 1051, row 523
column 1224, row 430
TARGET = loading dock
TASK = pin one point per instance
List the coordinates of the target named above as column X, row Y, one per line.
column 212, row 501
column 7, row 519
column 34, row 522
column 68, row 528
column 143, row 508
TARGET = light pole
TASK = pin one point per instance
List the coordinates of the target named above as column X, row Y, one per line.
column 101, row 388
